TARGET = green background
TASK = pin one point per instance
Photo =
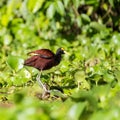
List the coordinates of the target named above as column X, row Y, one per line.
column 86, row 84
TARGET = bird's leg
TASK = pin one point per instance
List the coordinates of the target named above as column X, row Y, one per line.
column 40, row 83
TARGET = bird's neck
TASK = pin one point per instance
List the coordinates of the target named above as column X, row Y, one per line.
column 58, row 58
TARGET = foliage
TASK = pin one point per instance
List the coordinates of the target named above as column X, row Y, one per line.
column 86, row 84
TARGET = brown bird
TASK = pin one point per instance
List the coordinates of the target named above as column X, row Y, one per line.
column 44, row 59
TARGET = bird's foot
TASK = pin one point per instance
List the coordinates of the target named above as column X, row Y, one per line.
column 46, row 94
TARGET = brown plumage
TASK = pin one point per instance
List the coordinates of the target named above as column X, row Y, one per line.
column 44, row 59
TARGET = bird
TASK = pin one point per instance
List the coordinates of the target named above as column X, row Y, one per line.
column 44, row 59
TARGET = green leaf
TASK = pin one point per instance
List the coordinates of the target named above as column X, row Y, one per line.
column 92, row 2
column 111, row 2
column 79, row 21
column 5, row 20
column 7, row 39
column 83, row 95
column 108, row 77
column 51, row 11
column 15, row 62
column 60, row 7
column 85, row 17
column 66, row 2
column 109, row 114
column 38, row 5
column 76, row 110
column 97, row 26
column 80, row 75
column 76, row 3
column 35, row 5
column 58, row 94
column 102, row 93
column 117, row 74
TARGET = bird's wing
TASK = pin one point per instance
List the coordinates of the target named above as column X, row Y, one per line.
column 31, row 61
column 43, row 53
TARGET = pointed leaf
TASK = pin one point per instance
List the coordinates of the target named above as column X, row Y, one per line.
column 60, row 7
column 51, row 11
column 76, row 110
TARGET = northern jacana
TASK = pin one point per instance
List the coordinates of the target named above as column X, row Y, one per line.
column 44, row 59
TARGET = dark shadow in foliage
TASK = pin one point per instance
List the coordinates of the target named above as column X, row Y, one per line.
column 18, row 97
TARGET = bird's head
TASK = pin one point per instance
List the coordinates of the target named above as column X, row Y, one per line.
column 60, row 51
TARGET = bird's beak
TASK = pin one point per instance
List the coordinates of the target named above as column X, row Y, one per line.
column 65, row 52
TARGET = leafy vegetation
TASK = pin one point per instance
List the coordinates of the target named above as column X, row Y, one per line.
column 86, row 84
